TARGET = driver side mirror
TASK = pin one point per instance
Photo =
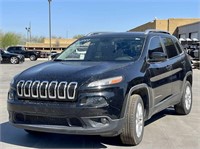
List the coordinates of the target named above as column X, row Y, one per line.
column 157, row 57
column 53, row 56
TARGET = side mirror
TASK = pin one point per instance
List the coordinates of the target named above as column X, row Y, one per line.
column 54, row 55
column 157, row 57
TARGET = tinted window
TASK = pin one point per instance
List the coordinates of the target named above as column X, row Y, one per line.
column 11, row 49
column 178, row 47
column 170, row 47
column 155, row 46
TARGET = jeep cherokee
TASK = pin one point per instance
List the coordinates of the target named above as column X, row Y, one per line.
column 104, row 84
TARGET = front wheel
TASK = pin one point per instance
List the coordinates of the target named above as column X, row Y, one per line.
column 133, row 129
column 185, row 105
column 14, row 60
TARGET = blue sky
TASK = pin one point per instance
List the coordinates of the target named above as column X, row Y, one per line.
column 72, row 17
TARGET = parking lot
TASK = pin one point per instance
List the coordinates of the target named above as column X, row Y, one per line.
column 165, row 130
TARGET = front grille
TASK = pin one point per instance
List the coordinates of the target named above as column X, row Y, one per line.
column 46, row 120
column 46, row 90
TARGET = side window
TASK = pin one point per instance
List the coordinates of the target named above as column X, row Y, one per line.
column 178, row 47
column 11, row 49
column 155, row 46
column 170, row 47
column 18, row 49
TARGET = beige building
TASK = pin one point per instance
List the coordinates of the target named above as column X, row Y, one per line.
column 171, row 25
column 56, row 44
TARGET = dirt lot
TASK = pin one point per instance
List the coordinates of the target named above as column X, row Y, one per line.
column 165, row 130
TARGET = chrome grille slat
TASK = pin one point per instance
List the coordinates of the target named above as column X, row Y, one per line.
column 28, row 85
column 64, row 90
column 46, row 90
column 74, row 92
column 20, row 88
column 37, row 87
column 54, row 90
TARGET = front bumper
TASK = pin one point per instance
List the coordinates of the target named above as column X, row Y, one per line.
column 64, row 118
column 111, row 129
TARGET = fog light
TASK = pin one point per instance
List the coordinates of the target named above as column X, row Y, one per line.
column 94, row 102
column 104, row 120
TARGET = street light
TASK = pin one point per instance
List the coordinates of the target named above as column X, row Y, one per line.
column 27, row 31
column 50, row 24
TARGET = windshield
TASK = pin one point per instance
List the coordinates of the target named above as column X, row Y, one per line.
column 104, row 49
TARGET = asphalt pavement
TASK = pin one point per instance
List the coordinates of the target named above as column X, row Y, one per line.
column 165, row 130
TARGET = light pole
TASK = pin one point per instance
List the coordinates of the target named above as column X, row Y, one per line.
column 27, row 31
column 50, row 25
column 30, row 31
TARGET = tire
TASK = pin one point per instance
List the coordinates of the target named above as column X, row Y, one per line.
column 33, row 58
column 185, row 105
column 14, row 60
column 132, row 132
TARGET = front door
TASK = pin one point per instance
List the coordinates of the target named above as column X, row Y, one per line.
column 160, row 73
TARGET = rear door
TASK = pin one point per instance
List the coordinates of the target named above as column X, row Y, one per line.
column 160, row 73
column 177, row 60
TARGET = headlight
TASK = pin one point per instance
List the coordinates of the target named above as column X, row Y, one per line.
column 108, row 81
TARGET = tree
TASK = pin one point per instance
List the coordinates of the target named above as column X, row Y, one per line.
column 37, row 39
column 1, row 36
column 78, row 36
column 9, row 39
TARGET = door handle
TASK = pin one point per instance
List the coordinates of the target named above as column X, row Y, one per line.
column 169, row 67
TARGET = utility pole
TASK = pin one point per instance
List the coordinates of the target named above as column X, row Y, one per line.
column 30, row 31
column 50, row 25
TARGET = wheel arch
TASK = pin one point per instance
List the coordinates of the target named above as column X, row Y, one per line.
column 189, row 78
column 144, row 92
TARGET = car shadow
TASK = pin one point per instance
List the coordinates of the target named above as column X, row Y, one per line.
column 15, row 136
column 168, row 111
column 19, row 137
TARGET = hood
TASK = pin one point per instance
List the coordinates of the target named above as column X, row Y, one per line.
column 69, row 71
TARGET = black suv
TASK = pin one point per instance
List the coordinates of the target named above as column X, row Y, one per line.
column 33, row 55
column 6, row 57
column 104, row 84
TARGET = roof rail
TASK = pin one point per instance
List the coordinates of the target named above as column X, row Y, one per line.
column 155, row 31
column 96, row 33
